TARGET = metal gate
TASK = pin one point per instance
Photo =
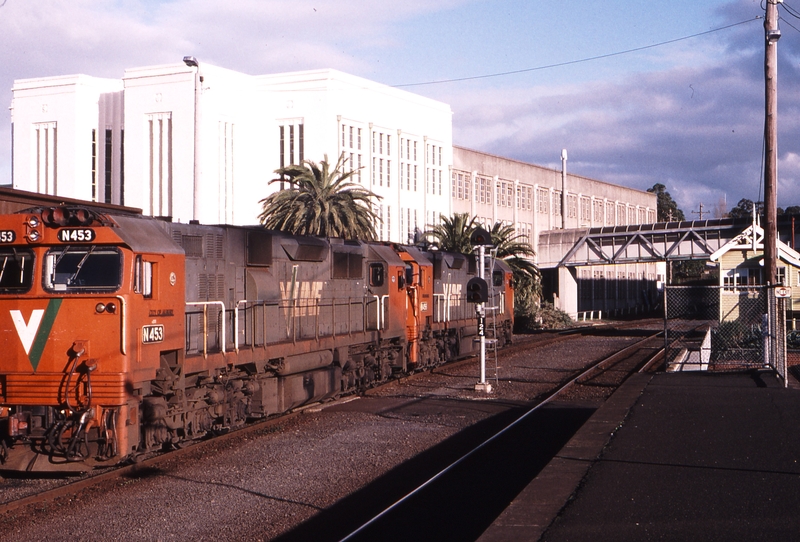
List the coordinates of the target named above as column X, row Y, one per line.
column 724, row 328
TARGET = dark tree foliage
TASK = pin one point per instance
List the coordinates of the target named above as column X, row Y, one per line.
column 668, row 210
column 744, row 209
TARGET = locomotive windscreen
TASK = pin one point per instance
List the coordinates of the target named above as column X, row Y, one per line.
column 16, row 270
column 74, row 269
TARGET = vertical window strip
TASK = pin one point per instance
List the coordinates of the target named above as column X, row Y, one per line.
column 107, row 166
column 94, row 165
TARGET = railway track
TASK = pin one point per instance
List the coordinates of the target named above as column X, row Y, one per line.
column 448, row 485
column 555, row 417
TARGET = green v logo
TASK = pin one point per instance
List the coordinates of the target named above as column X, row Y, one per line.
column 33, row 334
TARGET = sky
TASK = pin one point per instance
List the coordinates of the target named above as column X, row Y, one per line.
column 613, row 82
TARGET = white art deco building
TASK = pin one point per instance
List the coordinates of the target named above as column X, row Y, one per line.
column 193, row 141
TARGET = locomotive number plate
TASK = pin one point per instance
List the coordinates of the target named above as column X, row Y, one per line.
column 7, row 236
column 76, row 235
column 152, row 334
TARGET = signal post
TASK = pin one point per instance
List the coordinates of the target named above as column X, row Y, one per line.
column 478, row 293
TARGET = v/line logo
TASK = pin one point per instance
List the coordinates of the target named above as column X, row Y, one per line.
column 33, row 334
column 27, row 330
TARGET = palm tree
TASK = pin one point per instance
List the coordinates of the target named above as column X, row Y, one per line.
column 516, row 252
column 320, row 201
column 453, row 235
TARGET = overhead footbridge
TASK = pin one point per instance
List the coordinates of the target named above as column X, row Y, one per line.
column 639, row 243
column 562, row 252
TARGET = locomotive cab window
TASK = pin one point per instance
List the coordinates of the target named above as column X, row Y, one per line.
column 143, row 279
column 410, row 274
column 376, row 274
column 16, row 270
column 79, row 269
column 497, row 278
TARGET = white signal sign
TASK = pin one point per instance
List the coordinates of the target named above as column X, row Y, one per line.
column 783, row 291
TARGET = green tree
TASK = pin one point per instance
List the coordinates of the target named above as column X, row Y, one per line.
column 744, row 209
column 668, row 210
column 320, row 201
column 453, row 234
column 515, row 251
column 792, row 210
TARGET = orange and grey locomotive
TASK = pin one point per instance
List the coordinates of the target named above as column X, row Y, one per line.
column 122, row 334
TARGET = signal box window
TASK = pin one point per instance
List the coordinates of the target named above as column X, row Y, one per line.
column 82, row 269
column 376, row 274
column 16, row 270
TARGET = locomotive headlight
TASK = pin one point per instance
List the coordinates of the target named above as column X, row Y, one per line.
column 34, row 222
column 33, row 235
column 100, row 308
column 111, row 308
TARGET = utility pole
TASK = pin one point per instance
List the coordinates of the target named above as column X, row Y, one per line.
column 563, row 188
column 772, row 34
column 700, row 212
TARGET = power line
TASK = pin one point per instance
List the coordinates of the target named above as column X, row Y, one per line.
column 570, row 62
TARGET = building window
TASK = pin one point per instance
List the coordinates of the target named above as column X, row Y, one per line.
column 586, row 210
column 572, row 206
column 107, row 168
column 484, row 190
column 94, row 165
column 598, row 210
column 292, row 143
column 542, row 199
column 226, row 173
column 557, row 204
column 160, row 171
column 46, row 170
column 122, row 167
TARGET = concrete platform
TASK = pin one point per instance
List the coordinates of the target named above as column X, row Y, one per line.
column 679, row 456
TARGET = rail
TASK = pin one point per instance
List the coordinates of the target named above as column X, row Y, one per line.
column 260, row 322
column 581, row 375
column 205, row 305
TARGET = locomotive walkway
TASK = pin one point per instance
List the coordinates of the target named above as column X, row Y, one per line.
column 678, row 456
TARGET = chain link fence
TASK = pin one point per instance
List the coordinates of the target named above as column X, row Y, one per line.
column 715, row 327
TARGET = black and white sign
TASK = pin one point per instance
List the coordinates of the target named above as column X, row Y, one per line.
column 152, row 334
column 76, row 235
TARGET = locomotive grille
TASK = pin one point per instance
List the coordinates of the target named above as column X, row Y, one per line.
column 214, row 244
column 192, row 245
column 48, row 388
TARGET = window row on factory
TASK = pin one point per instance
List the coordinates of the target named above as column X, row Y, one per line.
column 547, row 201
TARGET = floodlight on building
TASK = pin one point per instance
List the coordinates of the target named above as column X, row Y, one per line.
column 190, row 61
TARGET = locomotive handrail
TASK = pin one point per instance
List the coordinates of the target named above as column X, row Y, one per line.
column 378, row 311
column 440, row 301
column 205, row 305
column 123, row 344
column 383, row 310
column 255, row 303
column 236, row 323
